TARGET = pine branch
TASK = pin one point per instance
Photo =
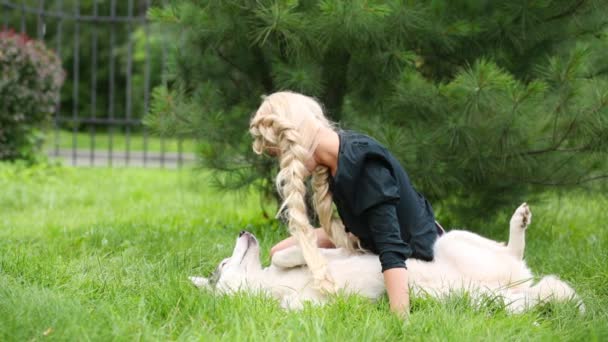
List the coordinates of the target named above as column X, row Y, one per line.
column 228, row 61
column 335, row 69
column 556, row 147
column 596, row 32
column 264, row 68
column 566, row 183
column 599, row 73
column 567, row 12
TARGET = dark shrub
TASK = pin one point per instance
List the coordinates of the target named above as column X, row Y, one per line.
column 30, row 79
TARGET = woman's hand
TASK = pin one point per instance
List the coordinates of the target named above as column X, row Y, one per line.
column 396, row 282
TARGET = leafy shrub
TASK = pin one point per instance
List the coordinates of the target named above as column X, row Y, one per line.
column 30, row 78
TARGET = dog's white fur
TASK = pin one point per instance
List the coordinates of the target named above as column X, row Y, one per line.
column 464, row 262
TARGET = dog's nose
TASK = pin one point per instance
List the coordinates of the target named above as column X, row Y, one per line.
column 242, row 233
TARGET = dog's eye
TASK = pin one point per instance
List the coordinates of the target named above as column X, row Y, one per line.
column 214, row 278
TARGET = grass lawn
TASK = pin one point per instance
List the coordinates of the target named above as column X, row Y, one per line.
column 119, row 142
column 104, row 254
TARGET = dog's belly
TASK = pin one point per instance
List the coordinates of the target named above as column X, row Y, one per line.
column 467, row 261
column 464, row 261
column 358, row 274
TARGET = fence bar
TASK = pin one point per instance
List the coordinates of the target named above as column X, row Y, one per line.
column 93, row 85
column 22, row 26
column 4, row 19
column 58, row 107
column 59, row 15
column 164, row 83
column 111, row 95
column 40, row 24
column 99, row 121
column 146, row 83
column 75, row 83
column 129, row 74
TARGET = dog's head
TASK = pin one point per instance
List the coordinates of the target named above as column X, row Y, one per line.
column 232, row 273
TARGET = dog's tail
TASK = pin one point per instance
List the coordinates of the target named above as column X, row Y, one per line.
column 552, row 288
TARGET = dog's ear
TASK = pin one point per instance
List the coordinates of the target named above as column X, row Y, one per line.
column 200, row 282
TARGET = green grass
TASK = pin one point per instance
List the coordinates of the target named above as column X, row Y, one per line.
column 119, row 142
column 104, row 254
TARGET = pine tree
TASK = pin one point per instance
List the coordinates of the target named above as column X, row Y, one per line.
column 482, row 101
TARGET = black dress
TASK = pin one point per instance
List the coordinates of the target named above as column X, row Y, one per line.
column 379, row 205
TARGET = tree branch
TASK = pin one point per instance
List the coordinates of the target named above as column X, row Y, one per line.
column 578, row 181
column 228, row 61
column 567, row 12
column 575, row 182
column 264, row 69
column 599, row 73
column 334, row 78
column 556, row 147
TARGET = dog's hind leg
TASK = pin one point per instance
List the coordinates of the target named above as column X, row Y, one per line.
column 517, row 231
column 552, row 288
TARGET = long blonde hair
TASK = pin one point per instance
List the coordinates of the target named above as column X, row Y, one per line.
column 289, row 123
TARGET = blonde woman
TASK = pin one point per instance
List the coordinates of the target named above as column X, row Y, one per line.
column 379, row 209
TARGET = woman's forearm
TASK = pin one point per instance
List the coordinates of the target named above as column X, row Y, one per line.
column 396, row 282
column 323, row 241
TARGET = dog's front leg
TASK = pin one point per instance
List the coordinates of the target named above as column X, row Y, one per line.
column 315, row 261
column 288, row 258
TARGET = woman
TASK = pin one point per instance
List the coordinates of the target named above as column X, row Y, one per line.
column 375, row 200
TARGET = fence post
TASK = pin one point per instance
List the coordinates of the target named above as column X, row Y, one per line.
column 58, row 107
column 23, row 27
column 75, row 68
column 146, row 83
column 40, row 25
column 128, row 73
column 111, row 95
column 93, row 83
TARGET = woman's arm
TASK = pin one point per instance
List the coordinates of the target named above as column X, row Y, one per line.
column 323, row 241
column 393, row 251
column 396, row 282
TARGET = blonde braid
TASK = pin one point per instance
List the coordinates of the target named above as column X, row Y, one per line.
column 286, row 125
column 291, row 187
column 322, row 200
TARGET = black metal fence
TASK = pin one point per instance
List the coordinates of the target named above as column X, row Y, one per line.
column 113, row 58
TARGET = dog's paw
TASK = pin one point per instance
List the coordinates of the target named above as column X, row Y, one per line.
column 288, row 258
column 522, row 217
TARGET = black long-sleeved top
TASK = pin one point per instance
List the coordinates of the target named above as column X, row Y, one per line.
column 378, row 204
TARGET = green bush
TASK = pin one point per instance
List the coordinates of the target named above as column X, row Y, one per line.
column 30, row 79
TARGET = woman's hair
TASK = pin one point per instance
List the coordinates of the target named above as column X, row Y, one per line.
column 288, row 124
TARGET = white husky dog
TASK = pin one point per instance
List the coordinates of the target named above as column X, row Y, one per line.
column 464, row 262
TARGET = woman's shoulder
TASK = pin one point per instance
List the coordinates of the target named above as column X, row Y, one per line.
column 359, row 155
column 365, row 172
column 358, row 147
